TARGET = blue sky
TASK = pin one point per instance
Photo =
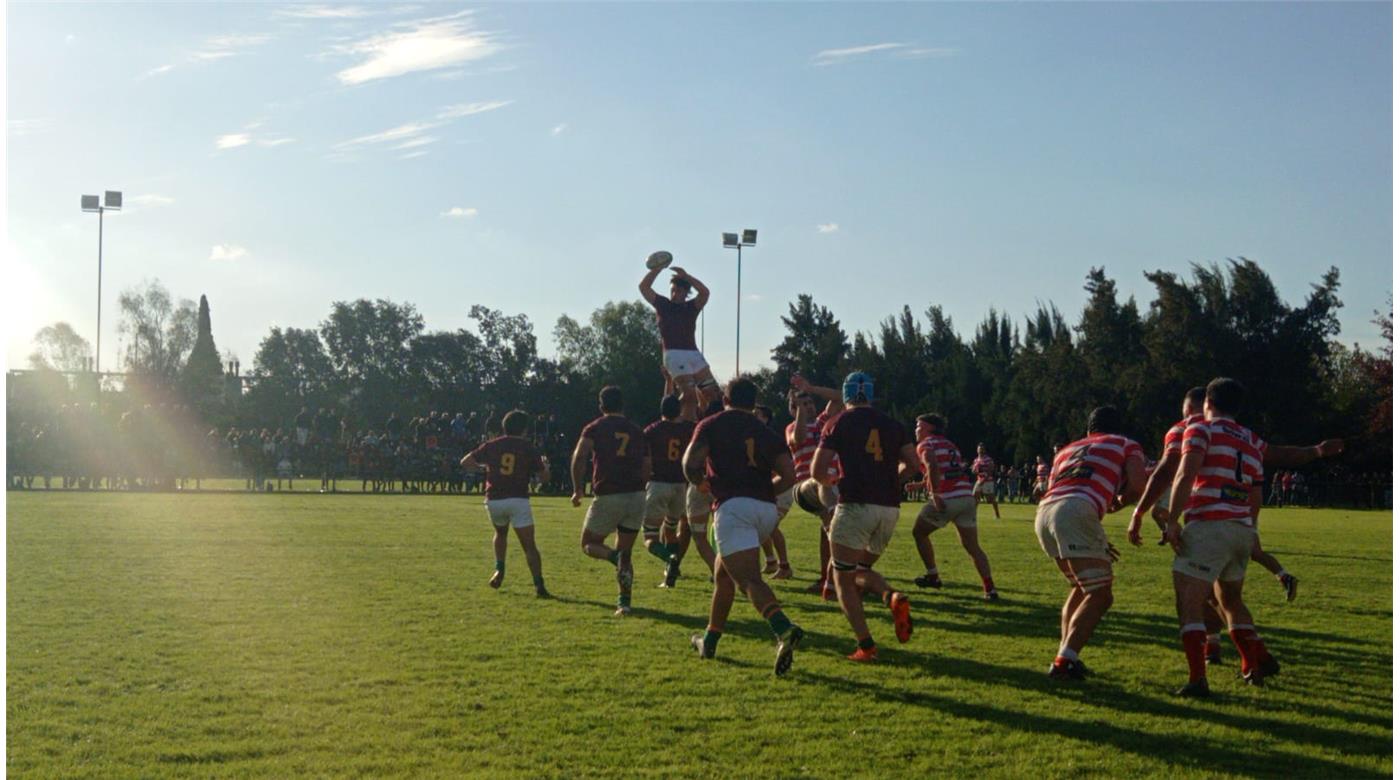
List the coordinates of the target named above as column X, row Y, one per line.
column 528, row 157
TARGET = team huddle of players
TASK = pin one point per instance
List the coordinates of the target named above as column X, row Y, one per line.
column 848, row 465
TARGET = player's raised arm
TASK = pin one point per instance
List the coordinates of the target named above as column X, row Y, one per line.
column 578, row 467
column 1157, row 484
column 648, row 294
column 797, row 433
column 469, row 461
column 832, row 396
column 1290, row 457
column 702, row 293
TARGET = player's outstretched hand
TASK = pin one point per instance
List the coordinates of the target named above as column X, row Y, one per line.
column 1171, row 533
column 576, row 498
column 800, row 383
column 1135, row 530
column 1330, row 448
column 1113, row 554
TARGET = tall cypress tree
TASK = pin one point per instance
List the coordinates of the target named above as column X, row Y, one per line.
column 201, row 378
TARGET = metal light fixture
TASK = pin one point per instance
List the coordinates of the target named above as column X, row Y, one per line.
column 111, row 201
column 731, row 241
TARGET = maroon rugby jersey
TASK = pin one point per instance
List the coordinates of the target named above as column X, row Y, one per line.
column 743, row 452
column 619, row 447
column 676, row 322
column 1232, row 466
column 667, row 440
column 1092, row 469
column 955, row 483
column 509, row 462
column 868, row 443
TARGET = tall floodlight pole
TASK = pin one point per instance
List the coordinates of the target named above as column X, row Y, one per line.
column 737, row 243
column 111, row 201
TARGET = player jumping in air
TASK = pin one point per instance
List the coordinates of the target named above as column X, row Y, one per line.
column 1100, row 473
column 675, row 317
column 509, row 461
column 876, row 458
column 985, row 469
column 949, row 500
column 744, row 465
column 621, row 463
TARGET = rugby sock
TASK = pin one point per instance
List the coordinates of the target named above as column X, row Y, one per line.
column 866, row 643
column 1066, row 654
column 659, row 550
column 711, row 639
column 932, row 571
column 624, row 599
column 777, row 621
column 1247, row 642
column 614, row 557
column 1193, row 641
column 539, row 582
column 1213, row 643
column 500, row 567
column 987, row 586
column 1282, row 575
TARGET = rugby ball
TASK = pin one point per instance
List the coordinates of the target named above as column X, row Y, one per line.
column 658, row 259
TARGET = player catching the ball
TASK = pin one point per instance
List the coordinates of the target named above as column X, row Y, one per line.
column 675, row 317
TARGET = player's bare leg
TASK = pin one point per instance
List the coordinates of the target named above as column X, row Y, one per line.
column 498, row 543
column 594, row 546
column 740, row 570
column 625, row 540
column 1255, row 661
column 1214, row 619
column 698, row 528
column 992, row 499
column 855, row 577
column 526, row 537
column 1089, row 600
column 1268, row 561
column 924, row 544
column 970, row 543
column 1191, row 597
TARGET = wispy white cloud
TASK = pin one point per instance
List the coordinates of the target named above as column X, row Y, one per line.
column 559, row 128
column 221, row 252
column 323, row 12
column 215, row 47
column 904, row 51
column 412, row 134
column 421, row 45
column 22, row 127
column 278, row 141
column 411, row 155
column 828, row 227
column 232, row 140
column 459, row 212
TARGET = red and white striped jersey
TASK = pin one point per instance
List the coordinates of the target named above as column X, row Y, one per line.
column 984, row 467
column 1042, row 470
column 1091, row 469
column 955, row 483
column 1233, row 464
column 802, row 456
column 1171, row 443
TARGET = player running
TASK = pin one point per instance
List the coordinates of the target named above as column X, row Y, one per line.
column 744, row 465
column 1100, row 473
column 666, row 440
column 985, row 469
column 876, row 456
column 802, row 435
column 675, row 317
column 1042, row 480
column 949, row 500
column 509, row 462
column 621, row 463
column 1217, row 487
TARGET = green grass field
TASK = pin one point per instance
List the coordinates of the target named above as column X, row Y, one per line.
column 292, row 635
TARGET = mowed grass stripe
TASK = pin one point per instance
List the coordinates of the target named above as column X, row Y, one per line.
column 239, row 635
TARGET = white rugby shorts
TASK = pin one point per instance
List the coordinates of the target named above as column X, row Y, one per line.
column 683, row 362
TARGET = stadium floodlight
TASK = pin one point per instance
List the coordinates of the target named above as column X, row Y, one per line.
column 731, row 241
column 111, row 201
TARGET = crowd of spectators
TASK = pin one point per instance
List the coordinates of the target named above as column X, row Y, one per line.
column 165, row 447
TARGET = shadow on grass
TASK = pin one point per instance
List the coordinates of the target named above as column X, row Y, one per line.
column 1186, row 748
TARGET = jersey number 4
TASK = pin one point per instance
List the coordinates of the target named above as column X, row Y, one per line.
column 872, row 446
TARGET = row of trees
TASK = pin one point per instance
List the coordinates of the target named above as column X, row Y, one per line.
column 1018, row 386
